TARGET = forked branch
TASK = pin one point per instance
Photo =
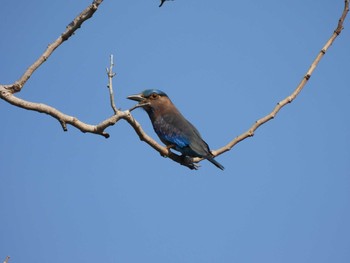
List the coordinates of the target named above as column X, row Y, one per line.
column 7, row 93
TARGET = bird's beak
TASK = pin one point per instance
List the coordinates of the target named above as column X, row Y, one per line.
column 136, row 97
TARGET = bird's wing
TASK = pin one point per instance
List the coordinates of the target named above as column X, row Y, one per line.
column 197, row 144
column 182, row 133
column 169, row 130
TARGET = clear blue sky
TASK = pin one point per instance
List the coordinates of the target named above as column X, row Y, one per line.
column 74, row 197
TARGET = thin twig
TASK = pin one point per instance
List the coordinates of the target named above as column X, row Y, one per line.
column 111, row 75
column 295, row 93
column 70, row 29
column 139, row 105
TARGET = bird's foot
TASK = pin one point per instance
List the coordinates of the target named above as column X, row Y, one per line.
column 188, row 161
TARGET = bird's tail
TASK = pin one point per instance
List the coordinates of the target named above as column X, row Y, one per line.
column 213, row 161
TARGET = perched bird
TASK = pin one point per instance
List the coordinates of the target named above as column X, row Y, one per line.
column 171, row 126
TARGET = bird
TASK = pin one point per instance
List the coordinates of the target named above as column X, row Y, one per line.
column 172, row 128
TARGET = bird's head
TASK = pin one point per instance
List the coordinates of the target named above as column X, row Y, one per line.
column 151, row 99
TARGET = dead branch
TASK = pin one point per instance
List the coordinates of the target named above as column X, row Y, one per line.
column 111, row 75
column 294, row 94
column 7, row 93
column 70, row 29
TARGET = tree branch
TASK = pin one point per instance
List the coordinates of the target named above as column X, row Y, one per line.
column 7, row 259
column 292, row 96
column 70, row 29
column 7, row 94
column 64, row 119
column 111, row 75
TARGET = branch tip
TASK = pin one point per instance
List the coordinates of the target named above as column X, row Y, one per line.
column 111, row 75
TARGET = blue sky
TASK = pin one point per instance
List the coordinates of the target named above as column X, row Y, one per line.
column 285, row 193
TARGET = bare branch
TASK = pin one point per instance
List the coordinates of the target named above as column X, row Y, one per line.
column 61, row 117
column 139, row 105
column 291, row 97
column 70, row 29
column 111, row 75
column 7, row 91
column 7, row 94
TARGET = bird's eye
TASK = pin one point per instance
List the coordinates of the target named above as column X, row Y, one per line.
column 154, row 96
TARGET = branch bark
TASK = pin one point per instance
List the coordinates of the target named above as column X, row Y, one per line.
column 294, row 94
column 7, row 93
